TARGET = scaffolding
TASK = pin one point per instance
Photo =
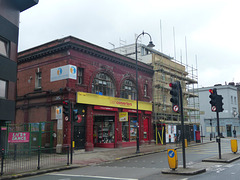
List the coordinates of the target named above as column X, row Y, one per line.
column 166, row 70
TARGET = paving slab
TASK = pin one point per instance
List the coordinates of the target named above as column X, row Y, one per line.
column 225, row 158
column 184, row 171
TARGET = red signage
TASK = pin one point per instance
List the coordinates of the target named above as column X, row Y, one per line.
column 105, row 108
column 148, row 112
column 18, row 137
column 79, row 118
column 131, row 110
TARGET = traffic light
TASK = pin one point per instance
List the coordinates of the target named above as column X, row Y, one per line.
column 219, row 104
column 213, row 97
column 66, row 108
column 75, row 114
column 175, row 95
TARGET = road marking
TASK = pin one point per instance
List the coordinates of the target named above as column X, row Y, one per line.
column 100, row 177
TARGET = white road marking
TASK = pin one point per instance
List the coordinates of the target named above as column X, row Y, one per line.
column 100, row 177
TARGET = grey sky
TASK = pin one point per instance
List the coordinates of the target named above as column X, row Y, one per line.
column 211, row 28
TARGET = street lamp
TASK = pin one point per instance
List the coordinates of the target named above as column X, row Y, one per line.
column 136, row 52
column 211, row 129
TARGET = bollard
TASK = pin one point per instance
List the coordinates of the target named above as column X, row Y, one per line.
column 39, row 151
column 2, row 160
column 186, row 144
column 234, row 146
column 68, row 153
column 172, row 158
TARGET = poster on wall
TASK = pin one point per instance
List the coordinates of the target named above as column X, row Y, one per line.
column 18, row 137
column 59, row 116
column 171, row 131
column 123, row 116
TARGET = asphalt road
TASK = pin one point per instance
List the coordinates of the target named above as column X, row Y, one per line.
column 149, row 167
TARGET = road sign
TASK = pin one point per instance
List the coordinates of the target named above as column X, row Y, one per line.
column 175, row 108
column 171, row 154
column 66, row 118
column 214, row 108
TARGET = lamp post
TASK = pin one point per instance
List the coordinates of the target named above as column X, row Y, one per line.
column 211, row 129
column 149, row 45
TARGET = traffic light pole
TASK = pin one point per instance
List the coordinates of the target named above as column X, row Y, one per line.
column 182, row 125
column 72, row 116
column 218, row 138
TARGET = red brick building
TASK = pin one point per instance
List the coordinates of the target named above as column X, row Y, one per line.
column 99, row 83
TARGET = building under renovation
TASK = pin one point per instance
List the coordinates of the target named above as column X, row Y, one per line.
column 166, row 70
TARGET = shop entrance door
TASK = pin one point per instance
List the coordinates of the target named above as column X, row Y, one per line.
column 79, row 137
column 145, row 129
column 229, row 130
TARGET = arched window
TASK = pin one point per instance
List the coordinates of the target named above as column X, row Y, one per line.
column 128, row 90
column 103, row 85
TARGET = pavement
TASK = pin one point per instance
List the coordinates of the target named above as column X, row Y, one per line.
column 82, row 158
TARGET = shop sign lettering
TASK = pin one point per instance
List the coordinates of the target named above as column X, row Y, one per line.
column 19, row 137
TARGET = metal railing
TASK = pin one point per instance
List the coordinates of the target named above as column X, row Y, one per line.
column 17, row 161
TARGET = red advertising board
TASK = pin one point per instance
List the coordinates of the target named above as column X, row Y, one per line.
column 18, row 137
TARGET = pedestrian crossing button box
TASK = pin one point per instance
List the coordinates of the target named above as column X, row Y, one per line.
column 234, row 146
column 172, row 158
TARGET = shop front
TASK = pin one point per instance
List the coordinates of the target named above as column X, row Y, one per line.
column 112, row 122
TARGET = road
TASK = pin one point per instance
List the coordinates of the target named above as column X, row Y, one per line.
column 149, row 167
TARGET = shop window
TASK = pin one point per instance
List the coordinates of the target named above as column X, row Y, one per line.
column 103, row 85
column 80, row 76
column 4, row 47
column 128, row 90
column 3, row 89
column 104, row 129
column 38, row 80
column 129, row 130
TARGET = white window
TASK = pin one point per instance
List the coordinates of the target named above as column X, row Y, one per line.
column 80, row 76
column 4, row 47
column 235, row 100
column 38, row 80
column 3, row 89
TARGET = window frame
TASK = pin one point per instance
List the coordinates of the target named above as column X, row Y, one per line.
column 38, row 80
column 145, row 90
column 80, row 75
column 6, row 46
column 128, row 90
column 103, row 84
column 4, row 89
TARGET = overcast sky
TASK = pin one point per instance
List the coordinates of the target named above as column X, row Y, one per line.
column 210, row 29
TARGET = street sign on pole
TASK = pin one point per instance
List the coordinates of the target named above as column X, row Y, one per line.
column 214, row 108
column 175, row 108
